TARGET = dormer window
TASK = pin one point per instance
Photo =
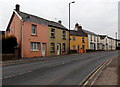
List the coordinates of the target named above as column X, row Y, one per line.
column 34, row 29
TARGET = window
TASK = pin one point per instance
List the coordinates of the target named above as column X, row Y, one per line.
column 94, row 38
column 52, row 33
column 64, row 35
column 64, row 47
column 83, row 40
column 74, row 47
column 34, row 29
column 74, row 38
column 91, row 37
column 97, row 39
column 52, row 47
column 83, row 47
column 35, row 46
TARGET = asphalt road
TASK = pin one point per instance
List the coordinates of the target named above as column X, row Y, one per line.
column 65, row 70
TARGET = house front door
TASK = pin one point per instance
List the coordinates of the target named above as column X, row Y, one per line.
column 58, row 49
column 43, row 49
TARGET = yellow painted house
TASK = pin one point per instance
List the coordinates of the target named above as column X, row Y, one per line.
column 78, row 39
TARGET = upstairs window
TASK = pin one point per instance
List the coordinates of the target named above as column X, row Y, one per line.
column 83, row 40
column 97, row 39
column 74, row 38
column 91, row 37
column 52, row 33
column 64, row 35
column 94, row 38
column 34, row 29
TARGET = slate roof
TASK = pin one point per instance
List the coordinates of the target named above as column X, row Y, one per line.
column 88, row 32
column 39, row 20
column 77, row 33
column 102, row 36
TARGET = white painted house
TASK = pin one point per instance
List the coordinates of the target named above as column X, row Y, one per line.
column 108, row 43
column 93, row 41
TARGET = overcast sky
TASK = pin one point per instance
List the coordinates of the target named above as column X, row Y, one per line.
column 99, row 16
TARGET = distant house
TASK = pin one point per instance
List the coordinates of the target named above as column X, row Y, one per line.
column 93, row 41
column 108, row 43
column 79, row 39
column 37, row 36
column 118, row 44
column 2, row 33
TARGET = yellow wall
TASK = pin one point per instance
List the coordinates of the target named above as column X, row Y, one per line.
column 56, row 40
column 78, row 41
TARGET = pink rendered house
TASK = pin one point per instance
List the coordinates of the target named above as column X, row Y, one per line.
column 31, row 33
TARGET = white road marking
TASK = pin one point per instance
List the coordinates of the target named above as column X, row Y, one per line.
column 16, row 75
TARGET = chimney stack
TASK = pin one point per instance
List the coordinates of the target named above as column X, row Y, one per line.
column 17, row 7
column 78, row 27
column 60, row 21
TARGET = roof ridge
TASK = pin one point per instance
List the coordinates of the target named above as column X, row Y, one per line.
column 40, row 20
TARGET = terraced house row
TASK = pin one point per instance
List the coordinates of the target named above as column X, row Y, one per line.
column 40, row 37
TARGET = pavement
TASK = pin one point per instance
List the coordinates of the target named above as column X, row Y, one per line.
column 60, row 70
column 109, row 75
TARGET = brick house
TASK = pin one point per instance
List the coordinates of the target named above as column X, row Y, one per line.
column 33, row 34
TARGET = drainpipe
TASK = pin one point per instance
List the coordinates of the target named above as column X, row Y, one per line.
column 22, row 39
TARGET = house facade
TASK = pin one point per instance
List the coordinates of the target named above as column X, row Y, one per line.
column 34, row 34
column 78, row 39
column 58, row 41
column 93, row 41
column 108, row 43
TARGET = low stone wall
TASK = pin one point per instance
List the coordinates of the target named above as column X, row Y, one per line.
column 6, row 57
column 10, row 56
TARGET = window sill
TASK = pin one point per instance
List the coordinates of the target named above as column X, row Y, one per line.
column 34, row 50
column 63, row 51
column 52, row 51
column 64, row 38
column 33, row 34
column 52, row 37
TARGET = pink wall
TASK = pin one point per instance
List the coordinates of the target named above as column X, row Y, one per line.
column 15, row 29
column 42, row 37
column 22, row 31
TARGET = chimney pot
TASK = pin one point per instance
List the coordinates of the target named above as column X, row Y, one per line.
column 17, row 7
column 60, row 21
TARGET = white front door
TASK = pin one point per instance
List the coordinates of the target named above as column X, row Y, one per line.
column 58, row 49
column 43, row 49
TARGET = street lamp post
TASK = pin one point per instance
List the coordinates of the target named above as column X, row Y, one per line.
column 69, row 24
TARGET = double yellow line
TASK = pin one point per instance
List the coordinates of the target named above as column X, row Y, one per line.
column 92, row 74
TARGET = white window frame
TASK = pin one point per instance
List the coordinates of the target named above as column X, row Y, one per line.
column 83, row 40
column 52, row 47
column 64, row 34
column 35, row 28
column 53, row 32
column 35, row 46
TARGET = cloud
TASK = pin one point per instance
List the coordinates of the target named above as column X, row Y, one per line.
column 99, row 16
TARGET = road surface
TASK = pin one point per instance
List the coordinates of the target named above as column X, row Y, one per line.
column 63, row 70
